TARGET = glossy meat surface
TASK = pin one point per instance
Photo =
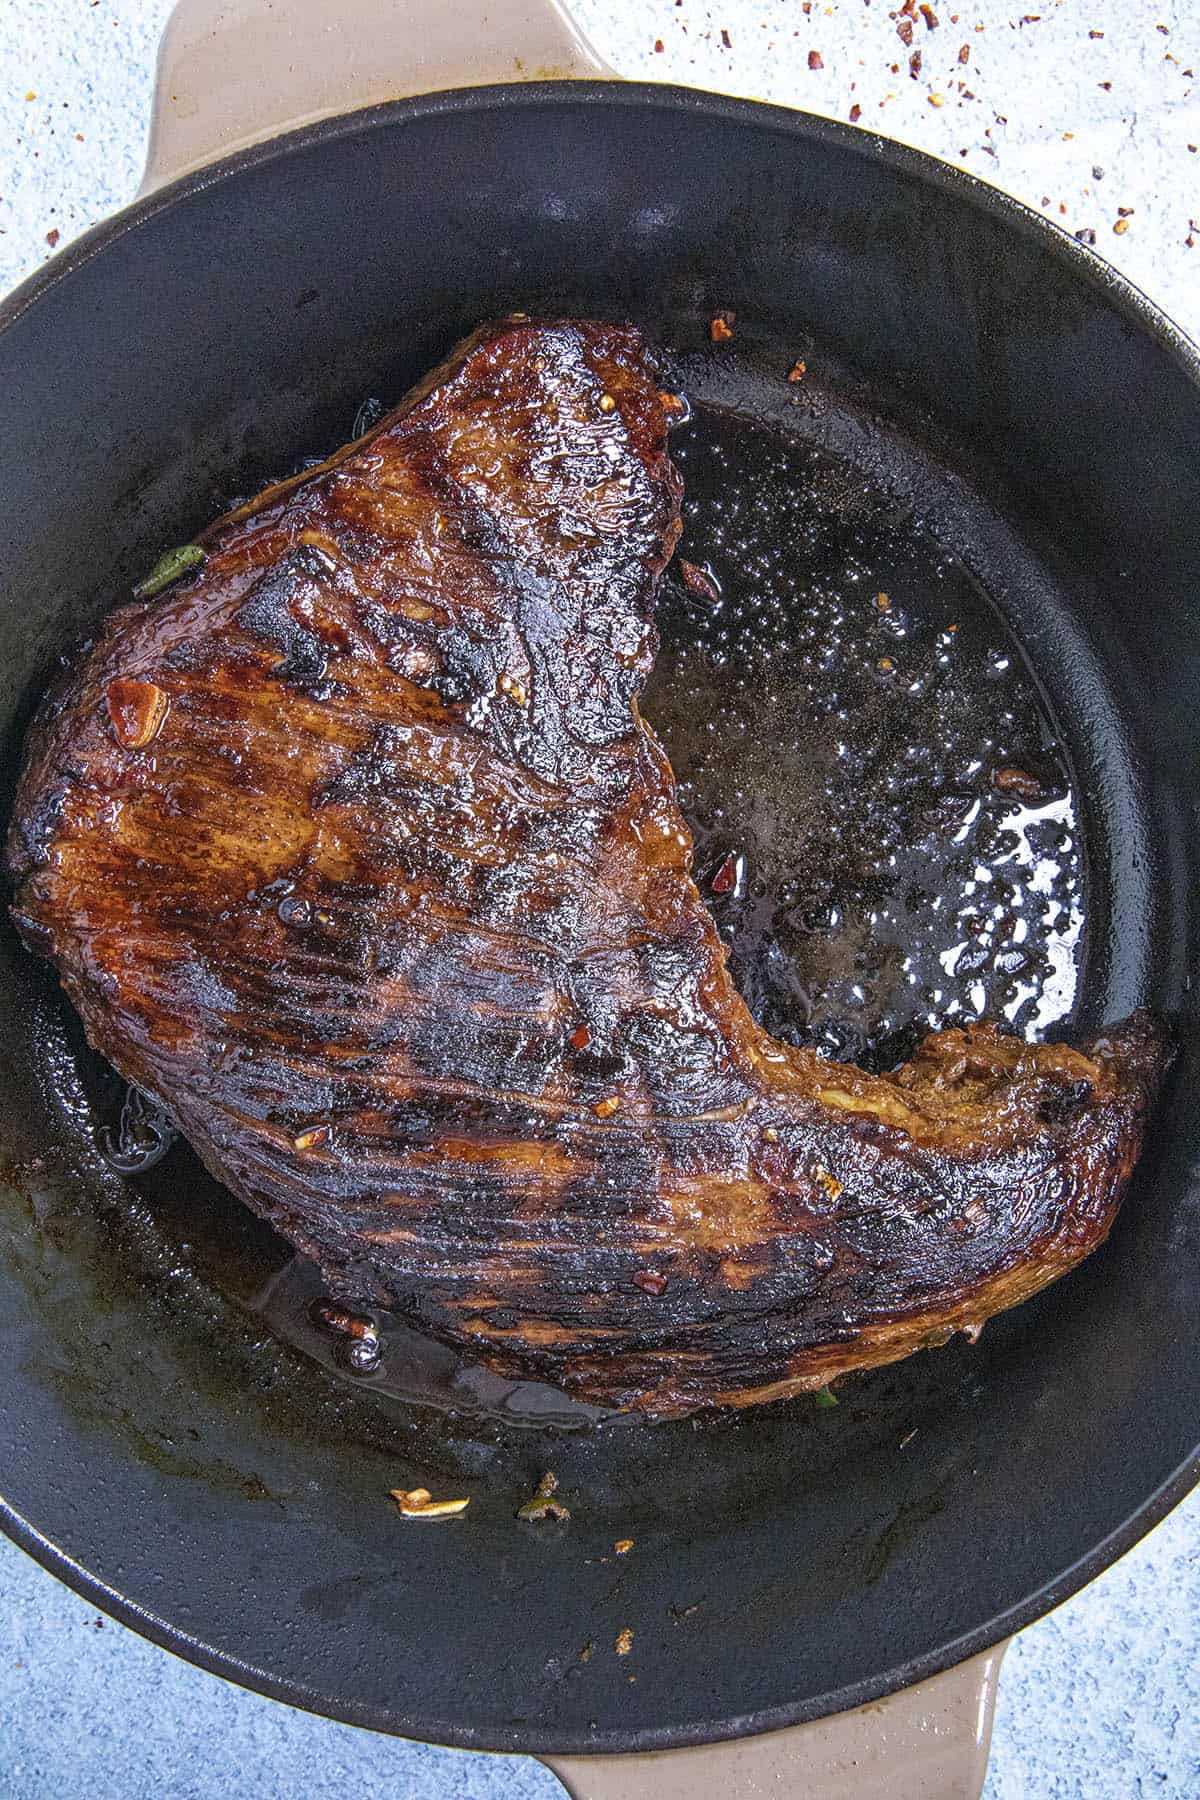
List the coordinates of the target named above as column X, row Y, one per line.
column 353, row 850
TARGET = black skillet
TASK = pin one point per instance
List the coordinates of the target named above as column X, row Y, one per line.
column 976, row 385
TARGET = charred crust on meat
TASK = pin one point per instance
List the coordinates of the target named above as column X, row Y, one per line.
column 396, row 918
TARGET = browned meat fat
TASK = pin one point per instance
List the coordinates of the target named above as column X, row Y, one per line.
column 353, row 849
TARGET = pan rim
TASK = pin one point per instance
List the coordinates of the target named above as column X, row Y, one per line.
column 1133, row 307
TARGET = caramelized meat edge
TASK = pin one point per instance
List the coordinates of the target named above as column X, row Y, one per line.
column 353, row 850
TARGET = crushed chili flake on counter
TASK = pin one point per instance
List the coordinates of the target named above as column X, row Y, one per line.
column 815, row 60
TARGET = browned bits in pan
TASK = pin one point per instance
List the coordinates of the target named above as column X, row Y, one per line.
column 136, row 711
column 799, row 369
column 720, row 327
column 1011, row 780
column 624, row 1643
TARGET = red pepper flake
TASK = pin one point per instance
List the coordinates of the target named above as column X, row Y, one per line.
column 914, row 64
column 720, row 327
column 725, row 879
column 1125, row 212
column 964, row 53
column 1165, row 29
column 136, row 711
column 651, row 1282
column 929, row 16
column 699, row 582
column 904, row 32
column 855, row 116
column 604, row 1109
column 581, row 1037
column 308, row 1140
column 52, row 237
column 799, row 370
column 1106, row 85
column 1095, row 34
column 725, row 39
column 659, row 46
column 815, row 60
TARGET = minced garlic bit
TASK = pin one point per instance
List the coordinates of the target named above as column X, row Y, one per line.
column 604, row 1109
column 513, row 688
column 418, row 1503
column 544, row 1505
column 833, row 1187
column 624, row 1643
column 623, row 1546
column 770, row 1133
column 607, row 403
column 307, row 1140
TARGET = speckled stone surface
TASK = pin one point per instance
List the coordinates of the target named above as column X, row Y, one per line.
column 1088, row 107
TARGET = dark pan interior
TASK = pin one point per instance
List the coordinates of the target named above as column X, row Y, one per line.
column 972, row 370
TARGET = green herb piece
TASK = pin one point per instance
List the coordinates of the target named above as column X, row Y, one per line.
column 544, row 1505
column 169, row 568
column 826, row 1397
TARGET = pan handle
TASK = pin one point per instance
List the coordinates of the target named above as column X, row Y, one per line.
column 928, row 1742
column 233, row 72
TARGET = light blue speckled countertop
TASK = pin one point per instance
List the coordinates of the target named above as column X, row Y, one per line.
column 1089, row 106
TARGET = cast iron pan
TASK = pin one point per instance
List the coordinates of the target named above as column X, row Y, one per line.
column 982, row 398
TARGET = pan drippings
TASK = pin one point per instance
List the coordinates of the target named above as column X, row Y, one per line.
column 885, row 829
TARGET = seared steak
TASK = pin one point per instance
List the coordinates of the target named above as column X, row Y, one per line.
column 353, row 850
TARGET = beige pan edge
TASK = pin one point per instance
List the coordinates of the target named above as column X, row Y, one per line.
column 232, row 73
